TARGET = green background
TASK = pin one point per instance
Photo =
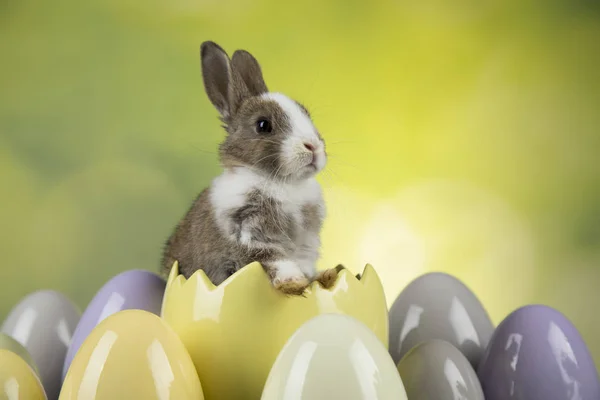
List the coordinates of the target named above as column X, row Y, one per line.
column 463, row 136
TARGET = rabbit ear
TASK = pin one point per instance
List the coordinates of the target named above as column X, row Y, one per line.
column 247, row 77
column 216, row 73
column 244, row 64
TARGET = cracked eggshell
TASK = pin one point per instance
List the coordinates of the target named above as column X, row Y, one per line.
column 234, row 331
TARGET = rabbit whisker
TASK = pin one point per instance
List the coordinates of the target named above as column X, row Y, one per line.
column 264, row 158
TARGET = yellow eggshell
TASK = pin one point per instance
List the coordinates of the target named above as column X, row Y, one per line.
column 334, row 357
column 132, row 354
column 18, row 381
column 235, row 331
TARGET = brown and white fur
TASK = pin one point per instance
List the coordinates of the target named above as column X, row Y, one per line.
column 267, row 205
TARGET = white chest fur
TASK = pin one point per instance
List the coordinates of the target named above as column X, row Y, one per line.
column 230, row 190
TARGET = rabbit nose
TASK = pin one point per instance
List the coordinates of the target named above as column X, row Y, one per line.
column 309, row 147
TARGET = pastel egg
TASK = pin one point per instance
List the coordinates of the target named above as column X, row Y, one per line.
column 18, row 381
column 43, row 322
column 333, row 356
column 132, row 354
column 135, row 289
column 439, row 306
column 436, row 370
column 10, row 344
column 537, row 353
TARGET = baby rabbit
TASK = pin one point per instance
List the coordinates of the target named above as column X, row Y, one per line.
column 267, row 205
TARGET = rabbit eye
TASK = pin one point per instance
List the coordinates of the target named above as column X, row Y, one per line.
column 263, row 125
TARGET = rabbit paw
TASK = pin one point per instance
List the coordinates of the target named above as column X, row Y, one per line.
column 292, row 286
column 289, row 279
column 327, row 277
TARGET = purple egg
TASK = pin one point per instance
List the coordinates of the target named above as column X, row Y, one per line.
column 537, row 353
column 134, row 289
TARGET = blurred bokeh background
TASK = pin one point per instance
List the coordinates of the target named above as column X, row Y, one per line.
column 463, row 137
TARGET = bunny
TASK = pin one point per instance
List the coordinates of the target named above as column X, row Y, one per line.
column 266, row 206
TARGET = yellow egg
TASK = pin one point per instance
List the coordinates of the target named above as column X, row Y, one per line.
column 132, row 354
column 10, row 344
column 235, row 331
column 18, row 381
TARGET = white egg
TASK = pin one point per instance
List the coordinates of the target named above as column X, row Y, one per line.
column 333, row 356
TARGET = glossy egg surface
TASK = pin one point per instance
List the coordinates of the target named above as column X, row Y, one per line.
column 439, row 306
column 43, row 322
column 436, row 370
column 132, row 354
column 234, row 331
column 334, row 356
column 134, row 289
column 537, row 353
